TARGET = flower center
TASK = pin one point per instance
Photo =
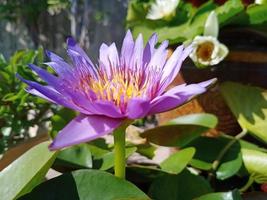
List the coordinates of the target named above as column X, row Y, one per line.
column 204, row 51
column 117, row 89
column 121, row 85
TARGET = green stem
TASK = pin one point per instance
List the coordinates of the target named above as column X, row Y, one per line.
column 219, row 158
column 248, row 184
column 216, row 163
column 119, row 150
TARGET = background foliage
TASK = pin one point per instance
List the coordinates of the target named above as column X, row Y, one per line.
column 231, row 166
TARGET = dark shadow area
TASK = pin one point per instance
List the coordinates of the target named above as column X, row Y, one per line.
column 59, row 188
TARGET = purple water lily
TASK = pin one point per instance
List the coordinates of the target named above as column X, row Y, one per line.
column 124, row 86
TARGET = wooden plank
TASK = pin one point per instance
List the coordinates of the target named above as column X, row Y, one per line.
column 15, row 152
column 247, row 56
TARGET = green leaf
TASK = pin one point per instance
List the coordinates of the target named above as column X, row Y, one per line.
column 103, row 156
column 147, row 150
column 228, row 11
column 200, row 119
column 229, row 168
column 247, row 145
column 257, row 14
column 185, row 186
column 249, row 105
column 189, row 28
column 233, row 195
column 2, row 59
column 203, row 11
column 176, row 33
column 136, row 11
column 86, row 185
column 256, row 164
column 178, row 161
column 98, row 147
column 40, row 55
column 182, row 130
column 21, row 176
column 76, row 156
column 253, row 15
column 60, row 120
column 208, row 150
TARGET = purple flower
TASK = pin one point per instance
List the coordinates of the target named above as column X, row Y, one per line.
column 124, row 86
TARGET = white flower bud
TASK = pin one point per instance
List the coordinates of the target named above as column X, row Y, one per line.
column 259, row 2
column 207, row 51
column 162, row 9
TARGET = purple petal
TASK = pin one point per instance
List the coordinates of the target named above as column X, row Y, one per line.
column 103, row 59
column 74, row 47
column 159, row 57
column 187, row 51
column 53, row 56
column 66, row 91
column 84, row 128
column 173, row 65
column 207, row 83
column 57, row 63
column 108, row 56
column 172, row 62
column 82, row 102
column 127, row 48
column 37, row 93
column 50, row 93
column 175, row 97
column 137, row 56
column 188, row 90
column 137, row 108
column 49, row 78
column 80, row 58
column 62, row 68
column 150, row 48
column 108, row 109
column 113, row 55
column 165, row 103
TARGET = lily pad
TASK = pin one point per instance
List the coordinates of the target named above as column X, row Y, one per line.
column 76, row 156
column 208, row 150
column 256, row 164
column 22, row 175
column 178, row 161
column 185, row 186
column 86, row 185
column 249, row 105
column 181, row 131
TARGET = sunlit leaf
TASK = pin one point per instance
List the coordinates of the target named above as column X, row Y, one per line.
column 249, row 105
column 253, row 15
column 256, row 164
column 178, row 161
column 26, row 172
column 181, row 131
column 229, row 10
